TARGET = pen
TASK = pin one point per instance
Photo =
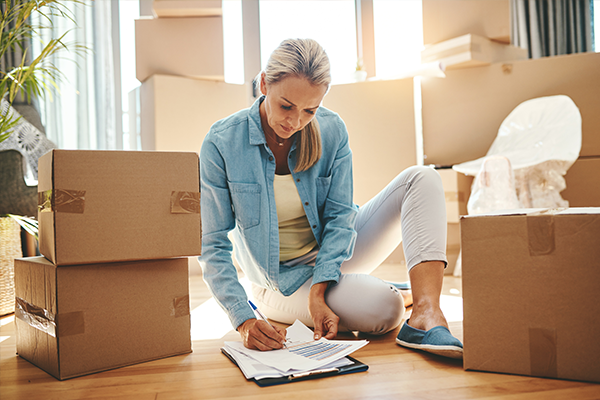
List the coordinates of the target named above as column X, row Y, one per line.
column 263, row 317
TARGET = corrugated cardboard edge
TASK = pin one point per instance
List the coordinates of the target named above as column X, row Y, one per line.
column 47, row 231
column 43, row 357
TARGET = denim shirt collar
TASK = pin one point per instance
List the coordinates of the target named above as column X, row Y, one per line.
column 256, row 133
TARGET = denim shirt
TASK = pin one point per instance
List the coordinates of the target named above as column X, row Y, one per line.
column 237, row 170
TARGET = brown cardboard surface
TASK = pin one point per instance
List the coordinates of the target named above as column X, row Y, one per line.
column 127, row 213
column 380, row 119
column 452, row 247
column 529, row 293
column 170, row 116
column 191, row 47
column 471, row 51
column 446, row 19
column 583, row 183
column 457, row 190
column 462, row 112
column 35, row 284
column 187, row 8
column 103, row 321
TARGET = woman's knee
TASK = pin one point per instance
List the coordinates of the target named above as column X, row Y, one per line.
column 365, row 303
column 420, row 173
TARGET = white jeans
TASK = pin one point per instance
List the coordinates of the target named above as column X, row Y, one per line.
column 412, row 207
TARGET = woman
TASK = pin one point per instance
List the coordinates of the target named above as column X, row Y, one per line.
column 277, row 180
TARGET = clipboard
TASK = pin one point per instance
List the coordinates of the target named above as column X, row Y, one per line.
column 356, row 366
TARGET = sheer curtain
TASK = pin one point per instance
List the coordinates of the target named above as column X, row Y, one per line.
column 81, row 113
column 552, row 27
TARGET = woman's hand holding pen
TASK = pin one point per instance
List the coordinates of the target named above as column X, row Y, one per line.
column 260, row 335
column 325, row 320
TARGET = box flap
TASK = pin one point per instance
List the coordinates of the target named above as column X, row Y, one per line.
column 538, row 211
column 46, row 231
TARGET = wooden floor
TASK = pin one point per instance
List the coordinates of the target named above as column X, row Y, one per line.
column 394, row 372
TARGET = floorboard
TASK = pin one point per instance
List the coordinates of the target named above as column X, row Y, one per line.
column 394, row 372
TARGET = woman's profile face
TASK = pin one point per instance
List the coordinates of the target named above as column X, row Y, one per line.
column 290, row 104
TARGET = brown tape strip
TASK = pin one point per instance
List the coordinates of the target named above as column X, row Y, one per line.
column 59, row 200
column 542, row 352
column 69, row 324
column 180, row 306
column 185, row 203
column 540, row 234
column 36, row 317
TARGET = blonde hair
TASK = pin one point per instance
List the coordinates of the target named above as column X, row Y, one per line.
column 303, row 58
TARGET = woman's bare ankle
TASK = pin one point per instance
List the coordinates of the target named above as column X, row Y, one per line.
column 427, row 318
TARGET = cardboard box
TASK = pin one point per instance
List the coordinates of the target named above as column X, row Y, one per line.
column 85, row 319
column 107, row 206
column 471, row 51
column 530, row 283
column 380, row 118
column 452, row 247
column 187, row 8
column 191, row 47
column 463, row 112
column 447, row 19
column 583, row 183
column 177, row 112
column 457, row 190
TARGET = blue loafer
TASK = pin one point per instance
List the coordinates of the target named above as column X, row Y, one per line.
column 437, row 340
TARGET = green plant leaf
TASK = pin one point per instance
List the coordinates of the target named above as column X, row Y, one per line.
column 29, row 225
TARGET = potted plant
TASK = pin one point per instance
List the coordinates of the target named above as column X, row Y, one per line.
column 32, row 77
column 35, row 78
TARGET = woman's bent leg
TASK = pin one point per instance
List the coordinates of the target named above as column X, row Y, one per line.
column 413, row 204
column 410, row 209
column 364, row 303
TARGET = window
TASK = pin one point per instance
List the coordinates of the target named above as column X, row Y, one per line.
column 129, row 11
column 331, row 23
column 398, row 36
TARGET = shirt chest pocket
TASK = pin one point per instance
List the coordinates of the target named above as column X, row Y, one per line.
column 245, row 198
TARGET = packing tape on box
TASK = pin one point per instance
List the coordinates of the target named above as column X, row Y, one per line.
column 185, row 203
column 60, row 200
column 180, row 306
column 542, row 352
column 540, row 231
column 66, row 324
column 35, row 316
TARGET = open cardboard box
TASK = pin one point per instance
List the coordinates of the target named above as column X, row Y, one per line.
column 530, row 282
column 109, row 206
column 78, row 320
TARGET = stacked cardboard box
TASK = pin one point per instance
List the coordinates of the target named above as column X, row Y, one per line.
column 530, row 280
column 112, row 290
column 180, row 63
column 468, row 33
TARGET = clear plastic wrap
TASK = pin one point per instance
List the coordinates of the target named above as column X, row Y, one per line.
column 536, row 144
column 493, row 187
column 541, row 138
